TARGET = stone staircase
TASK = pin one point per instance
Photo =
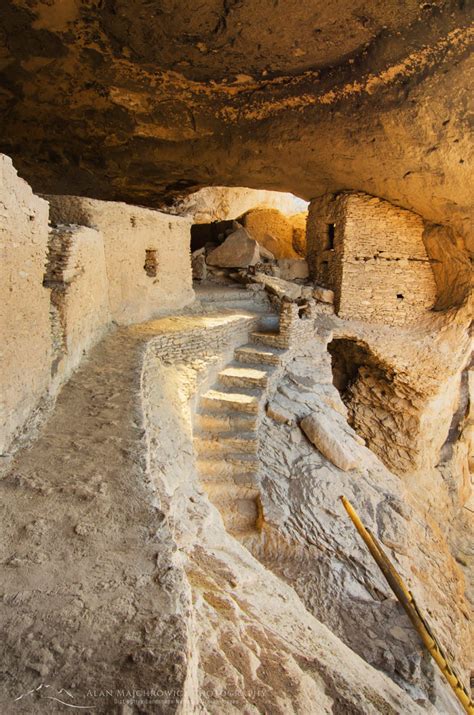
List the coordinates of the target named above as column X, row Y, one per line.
column 226, row 432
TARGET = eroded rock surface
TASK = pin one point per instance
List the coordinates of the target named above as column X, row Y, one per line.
column 137, row 103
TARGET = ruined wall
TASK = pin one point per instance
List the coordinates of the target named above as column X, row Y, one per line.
column 77, row 278
column 372, row 255
column 25, row 346
column 147, row 254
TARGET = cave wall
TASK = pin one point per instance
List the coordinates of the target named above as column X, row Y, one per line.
column 280, row 234
column 26, row 347
column 224, row 203
column 148, row 257
column 372, row 254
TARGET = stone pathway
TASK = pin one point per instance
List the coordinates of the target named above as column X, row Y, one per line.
column 226, row 435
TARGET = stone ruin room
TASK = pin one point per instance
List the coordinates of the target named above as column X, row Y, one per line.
column 237, row 385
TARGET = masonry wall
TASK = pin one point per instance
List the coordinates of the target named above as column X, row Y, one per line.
column 25, row 346
column 79, row 311
column 147, row 253
column 373, row 257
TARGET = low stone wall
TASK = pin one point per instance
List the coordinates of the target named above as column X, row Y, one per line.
column 148, row 255
column 188, row 338
column 25, row 346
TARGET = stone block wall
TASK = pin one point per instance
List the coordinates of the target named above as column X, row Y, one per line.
column 25, row 346
column 79, row 311
column 148, row 258
column 372, row 255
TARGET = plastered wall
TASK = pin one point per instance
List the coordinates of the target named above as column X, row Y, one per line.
column 135, row 294
column 372, row 255
column 62, row 286
column 25, row 346
column 79, row 310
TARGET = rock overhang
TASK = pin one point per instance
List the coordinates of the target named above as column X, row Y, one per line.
column 145, row 103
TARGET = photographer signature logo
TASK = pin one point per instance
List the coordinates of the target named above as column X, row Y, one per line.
column 45, row 693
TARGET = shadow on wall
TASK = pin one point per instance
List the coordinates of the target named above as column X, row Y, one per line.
column 348, row 357
column 381, row 408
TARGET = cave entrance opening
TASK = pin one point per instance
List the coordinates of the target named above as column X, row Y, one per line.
column 348, row 358
column 275, row 223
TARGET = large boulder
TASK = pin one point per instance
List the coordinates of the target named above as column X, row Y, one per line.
column 272, row 230
column 292, row 268
column 239, row 250
column 329, row 439
column 198, row 264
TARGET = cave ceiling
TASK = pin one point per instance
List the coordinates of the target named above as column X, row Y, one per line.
column 142, row 101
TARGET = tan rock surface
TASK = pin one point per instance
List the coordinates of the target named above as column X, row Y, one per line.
column 272, row 230
column 239, row 250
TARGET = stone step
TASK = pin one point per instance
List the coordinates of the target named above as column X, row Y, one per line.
column 225, row 401
column 231, row 464
column 240, row 479
column 237, row 376
column 261, row 337
column 214, row 423
column 222, row 492
column 250, row 536
column 250, row 354
column 241, row 514
column 227, row 442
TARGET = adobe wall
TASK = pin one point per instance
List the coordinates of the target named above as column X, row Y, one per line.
column 375, row 261
column 25, row 346
column 62, row 287
column 141, row 285
column 77, row 278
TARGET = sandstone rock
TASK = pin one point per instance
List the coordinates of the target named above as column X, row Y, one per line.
column 265, row 254
column 198, row 264
column 277, row 286
column 330, row 440
column 298, row 221
column 323, row 294
column 272, row 230
column 291, row 268
column 278, row 413
column 239, row 250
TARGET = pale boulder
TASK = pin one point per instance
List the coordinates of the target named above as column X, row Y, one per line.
column 331, row 441
column 293, row 268
column 324, row 295
column 198, row 263
column 239, row 250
